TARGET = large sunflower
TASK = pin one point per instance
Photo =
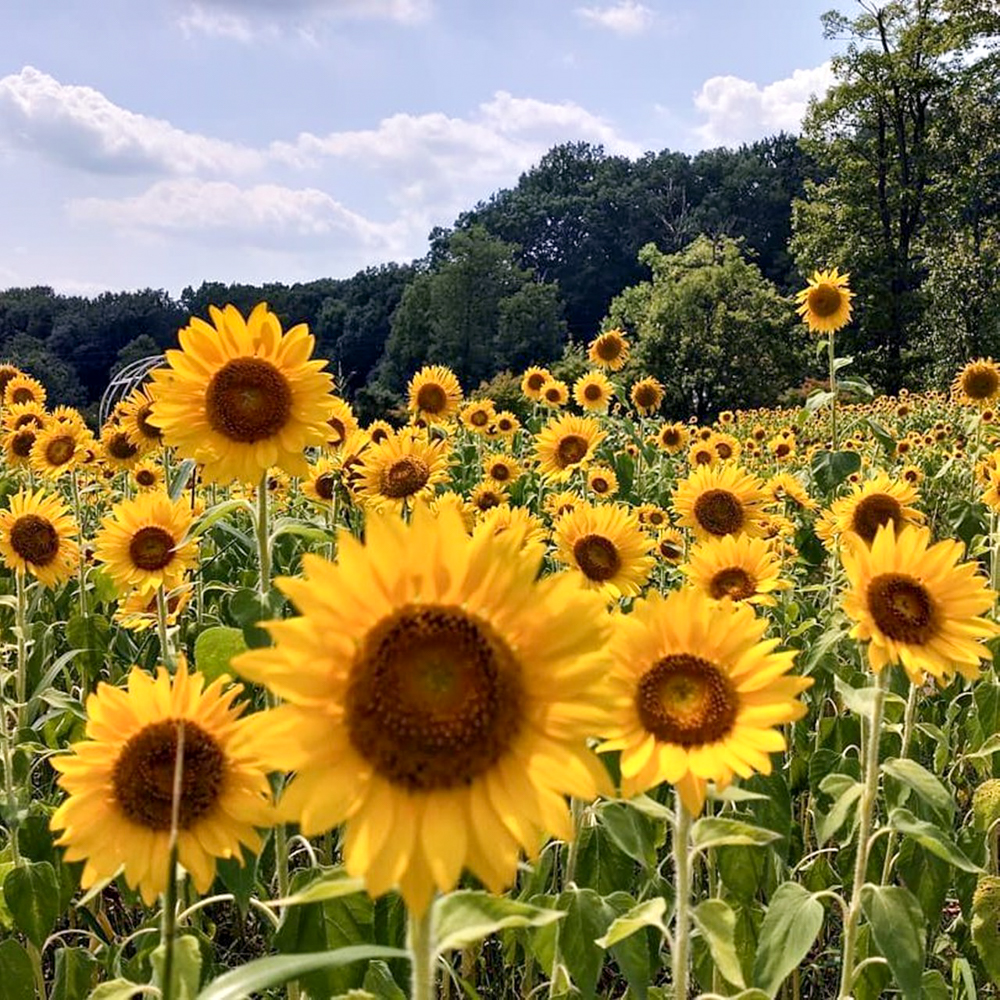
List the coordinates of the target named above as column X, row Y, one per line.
column 35, row 537
column 609, row 350
column 607, row 547
column 736, row 567
column 825, row 304
column 434, row 394
column 566, row 443
column 438, row 700
column 143, row 543
column 241, row 397
column 717, row 500
column 697, row 695
column 874, row 503
column 916, row 604
column 978, row 383
column 402, row 469
column 120, row 782
column 593, row 391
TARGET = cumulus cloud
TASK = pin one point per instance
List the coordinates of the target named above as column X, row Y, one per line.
column 739, row 110
column 627, row 17
column 79, row 127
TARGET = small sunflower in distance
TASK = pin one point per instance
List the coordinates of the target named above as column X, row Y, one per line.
column 555, row 393
column 721, row 500
column 342, row 422
column 697, row 694
column 533, row 380
column 119, row 782
column 593, row 392
column 978, row 383
column 566, row 443
column 321, row 483
column 147, row 476
column 737, row 568
column 825, row 304
column 434, row 394
column 647, row 395
column 916, row 604
column 437, row 700
column 672, row 438
column 241, row 396
column 609, row 350
column 478, row 415
column 119, row 448
column 36, row 537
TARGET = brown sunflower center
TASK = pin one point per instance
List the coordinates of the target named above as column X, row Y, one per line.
column 981, row 383
column 646, row 397
column 902, row 608
column 487, row 499
column 724, row 450
column 145, row 477
column 686, row 700
column 782, row 449
column 874, row 511
column 379, row 434
column 719, row 512
column 143, row 777
column 324, row 486
column 248, row 400
column 435, row 698
column 656, row 518
column 553, row 394
column 27, row 420
column 22, row 443
column 34, row 539
column 599, row 484
column 500, row 472
column 145, row 428
column 60, row 449
column 571, row 449
column 597, row 557
column 671, row 550
column 504, row 425
column 404, row 477
column 7, row 372
column 432, row 398
column 734, row 582
column 535, row 381
column 703, row 457
column 479, row 418
column 609, row 348
column 592, row 392
column 670, row 437
column 22, row 394
column 339, row 429
column 824, row 300
column 151, row 548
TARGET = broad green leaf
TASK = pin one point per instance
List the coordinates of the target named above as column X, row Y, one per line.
column 332, row 885
column 818, row 400
column 714, row 831
column 925, row 784
column 215, row 647
column 930, row 837
column 219, row 511
column 647, row 914
column 116, row 989
column 860, row 700
column 75, row 972
column 791, row 924
column 380, row 984
column 465, row 917
column 847, row 791
column 717, row 923
column 831, row 468
column 586, row 919
column 897, row 924
column 180, row 479
column 934, row 987
column 186, row 972
column 17, row 979
column 600, row 864
column 632, row 832
column 32, row 894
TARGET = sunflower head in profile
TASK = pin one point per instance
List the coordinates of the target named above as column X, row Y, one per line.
column 379, row 430
column 647, row 395
column 721, row 500
column 566, row 443
column 119, row 782
column 320, row 485
column 403, row 469
column 825, row 303
column 561, row 502
column 36, row 537
column 144, row 545
column 593, row 392
column 342, row 423
column 58, row 449
column 555, row 393
column 697, row 695
column 532, row 381
column 133, row 418
column 434, row 393
column 875, row 502
column 609, row 350
column 478, row 416
column 786, row 488
column 241, row 396
column 672, row 438
column 977, row 384
column 917, row 604
column 437, row 700
column 736, row 568
column 23, row 389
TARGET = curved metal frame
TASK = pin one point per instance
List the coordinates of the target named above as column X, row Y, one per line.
column 129, row 378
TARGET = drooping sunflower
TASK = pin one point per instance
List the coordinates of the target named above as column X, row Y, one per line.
column 533, row 380
column 120, row 782
column 978, row 383
column 721, row 500
column 786, row 488
column 321, row 483
column 555, row 393
column 672, row 438
column 563, row 502
column 737, row 568
column 593, row 391
column 434, row 393
column 134, row 414
column 501, row 470
column 403, row 469
column 607, row 548
column 36, row 537
column 566, row 443
column 147, row 475
column 647, row 395
column 697, row 695
column 873, row 503
column 342, row 422
column 609, row 350
column 916, row 604
column 24, row 389
column 825, row 303
column 143, row 543
column 438, row 697
column 241, row 396
column 58, row 449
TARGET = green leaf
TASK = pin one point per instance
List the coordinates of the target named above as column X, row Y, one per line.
column 857, row 385
column 116, row 989
column 717, row 923
column 180, row 480
column 32, row 894
column 846, row 792
column 215, row 647
column 380, row 984
column 600, row 864
column 75, row 972
column 714, row 831
column 186, row 973
column 930, row 837
column 632, row 832
column 219, row 511
column 928, row 786
column 464, row 917
column 897, row 924
column 819, row 399
column 17, row 978
column 934, row 987
column 586, row 919
column 647, row 914
column 831, row 468
column 332, row 884
column 277, row 969
column 790, row 927
column 91, row 635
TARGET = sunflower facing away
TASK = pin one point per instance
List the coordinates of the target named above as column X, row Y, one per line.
column 566, row 443
column 35, row 537
column 434, row 394
column 736, row 567
column 721, row 500
column 241, row 396
column 609, row 350
column 978, row 383
column 825, row 304
column 437, row 697
column 120, row 782
column 697, row 695
column 917, row 605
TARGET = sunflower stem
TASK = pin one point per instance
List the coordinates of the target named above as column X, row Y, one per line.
column 78, row 510
column 261, row 531
column 909, row 717
column 166, row 653
column 833, row 392
column 682, row 889
column 168, row 927
column 21, row 692
column 865, row 810
column 576, row 807
column 421, row 947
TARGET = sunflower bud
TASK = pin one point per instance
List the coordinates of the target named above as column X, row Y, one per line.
column 986, row 924
column 986, row 804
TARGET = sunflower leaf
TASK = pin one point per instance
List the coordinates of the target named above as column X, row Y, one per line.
column 791, row 925
column 714, row 831
column 716, row 921
column 897, row 924
column 462, row 918
column 931, row 838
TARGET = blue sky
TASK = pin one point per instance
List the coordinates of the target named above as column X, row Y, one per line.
column 168, row 142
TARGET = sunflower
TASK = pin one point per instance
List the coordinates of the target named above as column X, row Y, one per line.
column 401, row 470
column 652, row 516
column 697, row 695
column 647, row 395
column 593, row 391
column 726, row 447
column 506, row 424
column 438, row 697
column 503, row 517
column 873, row 503
column 555, row 393
column 23, row 389
column 735, row 567
column 609, row 350
column 341, row 422
column 142, row 543
column 120, row 782
column 57, row 449
column 434, row 394
column 242, row 397
column 782, row 447
column 17, row 446
column 35, row 537
column 602, row 481
column 147, row 476
column 701, row 453
column 566, row 443
column 478, row 415
column 501, row 470
column 607, row 547
column 672, row 438
column 457, row 504
column 563, row 502
column 786, row 488
column 533, row 380
column 486, row 496
column 320, row 485
column 915, row 604
column 978, row 383
column 19, row 415
column 825, row 304
column 670, row 545
column 133, row 417
column 7, row 372
column 720, row 500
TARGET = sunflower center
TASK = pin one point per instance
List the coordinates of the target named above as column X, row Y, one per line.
column 980, row 383
column 479, row 418
column 488, row 499
column 646, row 397
column 27, row 420
column 151, row 548
column 608, row 348
column 874, row 511
column 7, row 372
column 143, row 775
column 22, row 395
column 145, row 428
column 734, row 582
column 431, row 398
column 435, row 698
column 22, row 443
column 719, row 512
column 339, row 429
column 597, row 556
column 34, row 539
column 902, row 608
column 60, row 449
column 686, row 700
column 782, row 450
column 724, row 450
column 703, row 457
column 145, row 477
column 535, row 381
column 500, row 472
column 324, row 486
column 571, row 449
column 599, row 484
column 248, row 400
column 824, row 300
column 592, row 392
column 656, row 518
column 671, row 437
column 406, row 476
column 671, row 550
column 553, row 394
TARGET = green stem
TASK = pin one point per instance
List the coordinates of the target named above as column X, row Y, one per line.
column 166, row 653
column 682, row 886
column 576, row 807
column 168, row 927
column 36, row 968
column 421, row 948
column 909, row 717
column 21, row 693
column 833, row 390
column 865, row 810
column 78, row 511
column 262, row 531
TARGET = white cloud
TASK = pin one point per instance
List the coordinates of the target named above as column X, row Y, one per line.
column 627, row 17
column 739, row 110
column 79, row 127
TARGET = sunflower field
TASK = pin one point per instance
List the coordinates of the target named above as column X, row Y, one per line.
column 560, row 700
